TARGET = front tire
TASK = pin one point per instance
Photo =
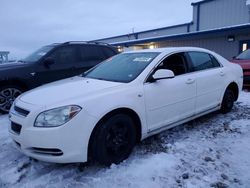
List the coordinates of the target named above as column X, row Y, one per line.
column 8, row 94
column 227, row 102
column 114, row 140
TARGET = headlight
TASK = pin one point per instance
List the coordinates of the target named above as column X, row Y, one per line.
column 56, row 117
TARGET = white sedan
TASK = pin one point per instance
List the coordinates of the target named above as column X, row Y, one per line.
column 103, row 113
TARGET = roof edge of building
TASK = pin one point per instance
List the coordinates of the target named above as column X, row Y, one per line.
column 151, row 39
column 201, row 2
column 150, row 30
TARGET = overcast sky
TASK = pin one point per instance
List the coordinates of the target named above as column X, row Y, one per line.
column 26, row 25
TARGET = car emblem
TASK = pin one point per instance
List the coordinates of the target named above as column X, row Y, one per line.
column 33, row 74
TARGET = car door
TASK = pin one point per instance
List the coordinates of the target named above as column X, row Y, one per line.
column 64, row 61
column 170, row 100
column 210, row 80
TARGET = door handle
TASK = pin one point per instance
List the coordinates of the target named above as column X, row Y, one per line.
column 222, row 73
column 190, row 81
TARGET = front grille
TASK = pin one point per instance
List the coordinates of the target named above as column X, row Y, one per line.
column 46, row 151
column 16, row 128
column 21, row 111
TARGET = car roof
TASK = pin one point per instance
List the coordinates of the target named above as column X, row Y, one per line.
column 82, row 43
column 169, row 50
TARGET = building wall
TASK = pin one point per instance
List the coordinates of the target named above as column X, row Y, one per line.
column 193, row 26
column 217, row 44
column 222, row 13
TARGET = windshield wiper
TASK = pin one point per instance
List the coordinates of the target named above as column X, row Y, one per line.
column 99, row 78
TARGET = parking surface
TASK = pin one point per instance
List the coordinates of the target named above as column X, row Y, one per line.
column 211, row 151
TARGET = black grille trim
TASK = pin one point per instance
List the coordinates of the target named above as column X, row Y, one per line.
column 46, row 151
column 16, row 128
column 21, row 111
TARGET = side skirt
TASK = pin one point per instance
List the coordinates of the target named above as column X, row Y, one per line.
column 169, row 126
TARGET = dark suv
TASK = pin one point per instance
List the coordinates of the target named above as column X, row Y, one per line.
column 48, row 64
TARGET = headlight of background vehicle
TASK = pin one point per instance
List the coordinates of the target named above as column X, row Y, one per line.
column 57, row 116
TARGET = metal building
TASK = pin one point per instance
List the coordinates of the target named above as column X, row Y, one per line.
column 219, row 25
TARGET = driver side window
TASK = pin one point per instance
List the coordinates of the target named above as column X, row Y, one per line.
column 176, row 63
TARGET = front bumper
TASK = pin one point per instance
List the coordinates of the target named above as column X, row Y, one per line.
column 65, row 144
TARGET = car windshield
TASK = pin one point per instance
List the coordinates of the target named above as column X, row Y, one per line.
column 35, row 56
column 244, row 55
column 122, row 68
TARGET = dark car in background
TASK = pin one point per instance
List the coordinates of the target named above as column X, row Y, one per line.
column 244, row 61
column 49, row 63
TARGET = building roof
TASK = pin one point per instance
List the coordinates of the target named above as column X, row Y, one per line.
column 145, row 31
column 230, row 29
column 200, row 2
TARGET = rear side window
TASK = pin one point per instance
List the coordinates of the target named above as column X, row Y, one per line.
column 108, row 52
column 92, row 53
column 64, row 55
column 202, row 61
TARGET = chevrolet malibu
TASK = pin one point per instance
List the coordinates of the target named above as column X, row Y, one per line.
column 103, row 113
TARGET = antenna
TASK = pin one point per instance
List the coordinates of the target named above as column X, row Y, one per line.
column 133, row 30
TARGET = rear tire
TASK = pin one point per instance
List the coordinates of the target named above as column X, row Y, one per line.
column 114, row 140
column 8, row 94
column 228, row 101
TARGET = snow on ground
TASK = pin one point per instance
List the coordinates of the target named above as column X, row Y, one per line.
column 212, row 151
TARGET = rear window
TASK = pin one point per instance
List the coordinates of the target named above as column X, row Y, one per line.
column 108, row 52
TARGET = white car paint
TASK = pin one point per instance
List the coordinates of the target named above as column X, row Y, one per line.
column 159, row 105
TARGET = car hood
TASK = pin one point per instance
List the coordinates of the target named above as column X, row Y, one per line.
column 11, row 65
column 66, row 90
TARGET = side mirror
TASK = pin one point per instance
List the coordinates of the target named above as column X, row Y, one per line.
column 163, row 74
column 48, row 61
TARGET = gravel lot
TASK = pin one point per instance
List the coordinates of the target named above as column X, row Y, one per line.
column 212, row 151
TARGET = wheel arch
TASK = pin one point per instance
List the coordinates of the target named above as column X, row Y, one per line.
column 16, row 82
column 235, row 88
column 126, row 111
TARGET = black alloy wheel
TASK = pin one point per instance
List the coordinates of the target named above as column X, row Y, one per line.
column 114, row 140
column 228, row 101
column 8, row 94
